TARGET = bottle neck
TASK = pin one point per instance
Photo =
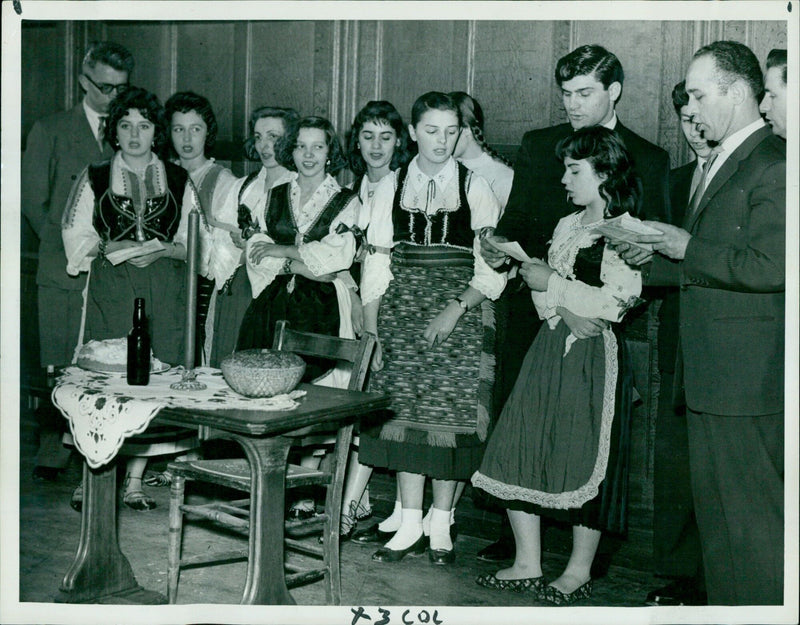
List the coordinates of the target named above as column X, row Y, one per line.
column 139, row 317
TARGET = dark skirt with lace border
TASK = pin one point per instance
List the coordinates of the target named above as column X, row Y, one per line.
column 550, row 443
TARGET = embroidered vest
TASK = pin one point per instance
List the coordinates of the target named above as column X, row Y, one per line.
column 445, row 227
column 115, row 217
column 280, row 222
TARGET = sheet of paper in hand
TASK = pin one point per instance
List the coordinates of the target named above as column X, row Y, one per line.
column 153, row 245
column 625, row 228
column 514, row 250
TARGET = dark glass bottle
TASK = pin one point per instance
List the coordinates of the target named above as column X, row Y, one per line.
column 139, row 347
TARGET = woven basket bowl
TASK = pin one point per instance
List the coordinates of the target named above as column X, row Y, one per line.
column 262, row 372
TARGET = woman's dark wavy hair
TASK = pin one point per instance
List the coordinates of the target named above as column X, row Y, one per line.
column 379, row 112
column 472, row 118
column 609, row 157
column 148, row 106
column 285, row 147
column 289, row 116
column 187, row 101
column 433, row 100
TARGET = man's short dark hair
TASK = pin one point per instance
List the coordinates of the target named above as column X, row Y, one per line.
column 734, row 61
column 591, row 59
column 109, row 53
column 777, row 58
column 679, row 96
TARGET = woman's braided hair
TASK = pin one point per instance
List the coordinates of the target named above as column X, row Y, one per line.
column 472, row 118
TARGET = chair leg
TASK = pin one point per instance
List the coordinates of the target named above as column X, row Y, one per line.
column 176, row 495
column 333, row 507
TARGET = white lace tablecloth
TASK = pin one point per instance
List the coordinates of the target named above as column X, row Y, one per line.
column 103, row 410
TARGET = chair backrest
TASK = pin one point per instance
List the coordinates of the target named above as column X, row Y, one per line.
column 356, row 351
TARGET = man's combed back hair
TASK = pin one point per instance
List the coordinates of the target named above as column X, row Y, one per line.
column 777, row 58
column 591, row 59
column 109, row 53
column 734, row 61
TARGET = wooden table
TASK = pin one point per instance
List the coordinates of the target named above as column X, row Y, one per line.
column 100, row 572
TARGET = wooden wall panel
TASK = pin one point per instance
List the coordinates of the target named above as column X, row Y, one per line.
column 282, row 61
column 639, row 51
column 422, row 56
column 151, row 46
column 369, row 76
column 513, row 77
column 198, row 41
column 44, row 60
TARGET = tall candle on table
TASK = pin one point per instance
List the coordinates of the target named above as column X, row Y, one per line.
column 191, row 289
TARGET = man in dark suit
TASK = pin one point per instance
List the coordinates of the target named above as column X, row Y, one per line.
column 729, row 262
column 58, row 148
column 676, row 542
column 590, row 78
column 773, row 104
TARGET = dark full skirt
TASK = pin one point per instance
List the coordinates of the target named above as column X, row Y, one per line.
column 112, row 291
column 560, row 447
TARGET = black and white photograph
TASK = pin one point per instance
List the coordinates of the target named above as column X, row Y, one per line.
column 383, row 313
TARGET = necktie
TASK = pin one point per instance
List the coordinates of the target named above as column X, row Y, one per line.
column 101, row 130
column 701, row 185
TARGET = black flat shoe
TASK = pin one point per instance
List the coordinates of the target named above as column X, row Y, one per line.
column 553, row 595
column 526, row 584
column 384, row 554
column 442, row 556
column 371, row 536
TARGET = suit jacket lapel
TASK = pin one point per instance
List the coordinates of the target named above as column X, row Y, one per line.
column 728, row 169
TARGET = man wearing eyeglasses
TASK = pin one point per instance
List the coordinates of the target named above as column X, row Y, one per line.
column 58, row 148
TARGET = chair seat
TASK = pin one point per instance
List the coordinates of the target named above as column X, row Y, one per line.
column 235, row 473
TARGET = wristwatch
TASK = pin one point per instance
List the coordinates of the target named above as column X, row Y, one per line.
column 462, row 303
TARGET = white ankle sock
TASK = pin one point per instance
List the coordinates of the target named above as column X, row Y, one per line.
column 426, row 522
column 409, row 532
column 440, row 529
column 392, row 522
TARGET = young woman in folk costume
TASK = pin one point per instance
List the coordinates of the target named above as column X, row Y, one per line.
column 422, row 288
column 474, row 152
column 193, row 133
column 122, row 203
column 239, row 213
column 377, row 145
column 560, row 446
column 299, row 243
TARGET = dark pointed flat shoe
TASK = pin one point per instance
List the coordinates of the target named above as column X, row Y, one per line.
column 553, row 595
column 384, row 554
column 442, row 556
column 371, row 536
column 526, row 584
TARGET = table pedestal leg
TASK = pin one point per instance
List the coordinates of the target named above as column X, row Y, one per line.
column 100, row 572
column 265, row 583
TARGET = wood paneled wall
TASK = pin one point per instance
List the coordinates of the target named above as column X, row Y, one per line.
column 333, row 68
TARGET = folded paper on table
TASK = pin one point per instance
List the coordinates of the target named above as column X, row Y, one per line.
column 626, row 228
column 514, row 250
column 120, row 256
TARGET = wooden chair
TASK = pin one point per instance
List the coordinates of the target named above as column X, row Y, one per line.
column 235, row 473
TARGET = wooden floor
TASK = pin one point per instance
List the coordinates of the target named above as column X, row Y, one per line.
column 49, row 531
